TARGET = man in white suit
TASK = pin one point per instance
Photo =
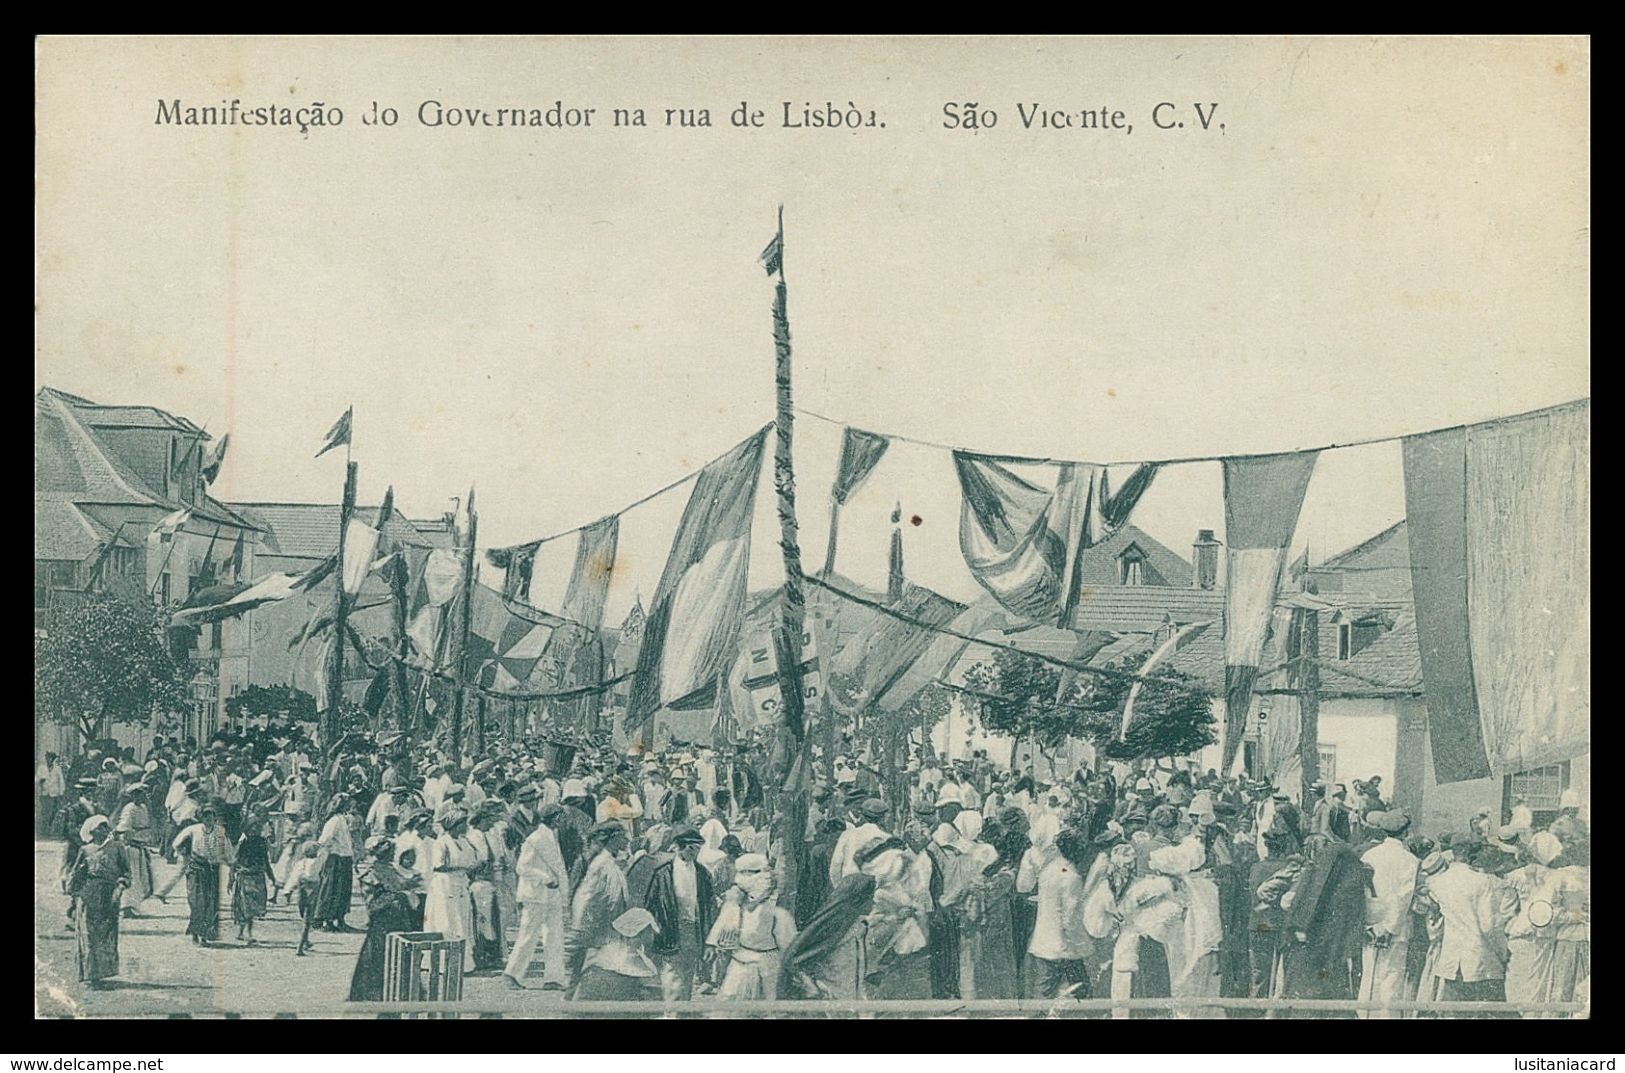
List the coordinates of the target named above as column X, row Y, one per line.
column 1388, row 908
column 544, row 887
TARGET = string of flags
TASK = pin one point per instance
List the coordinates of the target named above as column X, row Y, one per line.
column 1485, row 502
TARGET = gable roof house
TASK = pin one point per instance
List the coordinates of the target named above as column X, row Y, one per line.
column 105, row 477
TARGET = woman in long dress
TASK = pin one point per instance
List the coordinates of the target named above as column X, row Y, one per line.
column 95, row 882
column 449, row 909
column 334, row 889
column 135, row 833
column 204, row 848
column 251, row 876
column 392, row 894
column 988, row 968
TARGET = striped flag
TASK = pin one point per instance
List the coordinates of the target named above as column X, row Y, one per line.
column 693, row 626
column 1263, row 495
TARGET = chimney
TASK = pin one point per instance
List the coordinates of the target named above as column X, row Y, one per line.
column 1205, row 557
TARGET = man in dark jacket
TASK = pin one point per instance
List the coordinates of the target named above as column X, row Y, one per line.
column 1327, row 924
column 683, row 901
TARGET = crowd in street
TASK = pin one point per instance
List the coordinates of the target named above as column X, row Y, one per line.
column 679, row 873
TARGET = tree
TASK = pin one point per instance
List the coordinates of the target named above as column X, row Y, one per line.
column 273, row 702
column 1173, row 713
column 107, row 661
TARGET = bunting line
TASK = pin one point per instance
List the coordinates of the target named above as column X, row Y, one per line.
column 997, row 456
column 509, row 549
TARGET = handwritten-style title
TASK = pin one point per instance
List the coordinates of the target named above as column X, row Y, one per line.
column 960, row 117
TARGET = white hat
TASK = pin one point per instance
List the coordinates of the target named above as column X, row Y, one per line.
column 752, row 862
column 1545, row 847
column 949, row 794
column 635, row 922
column 573, row 788
column 90, row 826
column 1570, row 799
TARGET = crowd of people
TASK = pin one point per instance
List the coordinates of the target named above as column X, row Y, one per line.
column 674, row 874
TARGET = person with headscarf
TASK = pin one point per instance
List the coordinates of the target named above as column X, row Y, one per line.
column 392, row 894
column 204, row 849
column 95, row 884
column 1388, row 923
column 599, row 898
column 449, row 909
column 1548, row 936
column 482, row 888
column 134, row 832
column 336, row 883
column 751, row 932
column 250, row 875
column 897, row 963
column 109, row 785
column 619, row 969
column 988, row 955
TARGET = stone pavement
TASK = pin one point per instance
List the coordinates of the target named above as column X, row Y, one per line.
column 162, row 973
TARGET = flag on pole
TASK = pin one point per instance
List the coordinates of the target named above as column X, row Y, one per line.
column 170, row 524
column 339, row 434
column 860, row 453
column 693, row 624
column 213, row 457
column 773, row 256
column 1263, row 495
column 360, row 544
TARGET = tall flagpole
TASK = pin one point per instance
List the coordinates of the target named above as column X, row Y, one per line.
column 793, row 604
column 341, row 612
column 465, row 621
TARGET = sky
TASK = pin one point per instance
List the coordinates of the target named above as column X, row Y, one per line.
column 1388, row 235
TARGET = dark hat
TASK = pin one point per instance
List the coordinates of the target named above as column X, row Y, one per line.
column 193, row 786
column 875, row 849
column 1164, row 816
column 602, row 831
column 873, row 808
column 530, row 792
column 687, row 837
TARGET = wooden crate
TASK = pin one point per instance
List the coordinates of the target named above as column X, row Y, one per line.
column 422, row 966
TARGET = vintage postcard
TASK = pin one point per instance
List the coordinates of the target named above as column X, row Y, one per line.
column 812, row 527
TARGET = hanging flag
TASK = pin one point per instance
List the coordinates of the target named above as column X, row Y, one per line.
column 506, row 637
column 170, row 524
column 1263, row 495
column 860, row 452
column 693, row 625
column 1498, row 516
column 1024, row 544
column 887, row 648
column 213, row 457
column 437, row 584
column 229, row 601
column 339, row 434
column 588, row 590
column 236, row 559
column 360, row 544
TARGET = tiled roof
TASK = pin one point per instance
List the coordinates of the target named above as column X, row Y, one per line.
column 63, row 531
column 1389, row 549
column 311, row 530
column 1161, row 565
column 71, row 462
column 97, row 416
column 1145, row 608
